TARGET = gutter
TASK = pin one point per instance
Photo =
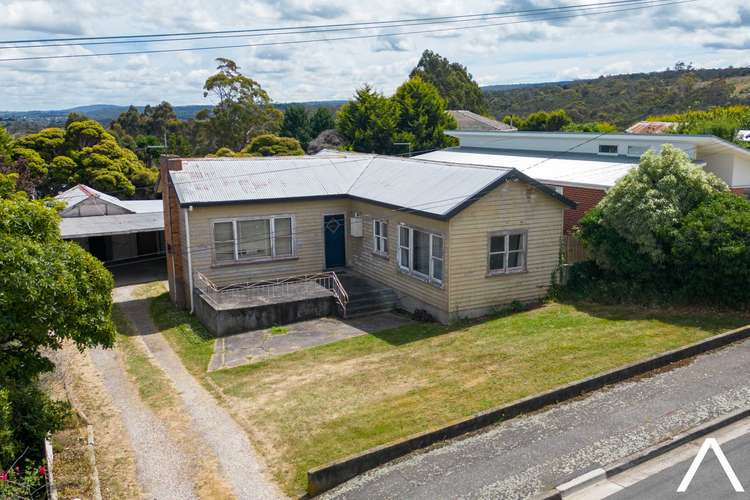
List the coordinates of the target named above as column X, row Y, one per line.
column 189, row 257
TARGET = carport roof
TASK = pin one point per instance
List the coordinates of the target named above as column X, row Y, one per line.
column 104, row 225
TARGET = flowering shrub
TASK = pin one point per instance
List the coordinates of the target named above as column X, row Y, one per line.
column 27, row 482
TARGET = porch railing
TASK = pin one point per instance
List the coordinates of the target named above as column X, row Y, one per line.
column 288, row 287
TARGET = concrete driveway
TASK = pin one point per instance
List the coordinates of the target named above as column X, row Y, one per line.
column 251, row 347
column 527, row 455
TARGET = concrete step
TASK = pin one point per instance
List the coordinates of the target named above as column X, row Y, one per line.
column 363, row 299
column 369, row 308
column 369, row 312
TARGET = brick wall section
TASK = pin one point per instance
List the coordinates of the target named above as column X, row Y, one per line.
column 172, row 232
column 741, row 191
column 586, row 198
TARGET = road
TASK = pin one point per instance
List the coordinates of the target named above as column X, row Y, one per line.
column 527, row 455
column 709, row 482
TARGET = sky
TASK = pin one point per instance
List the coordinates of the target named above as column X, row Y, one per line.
column 708, row 33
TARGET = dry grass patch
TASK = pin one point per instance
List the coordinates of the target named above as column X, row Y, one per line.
column 311, row 407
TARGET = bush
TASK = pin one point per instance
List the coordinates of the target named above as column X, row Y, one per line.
column 712, row 250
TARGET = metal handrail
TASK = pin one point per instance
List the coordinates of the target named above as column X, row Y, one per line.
column 277, row 287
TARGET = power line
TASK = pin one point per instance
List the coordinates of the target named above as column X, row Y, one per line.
column 353, row 37
column 306, row 27
column 259, row 32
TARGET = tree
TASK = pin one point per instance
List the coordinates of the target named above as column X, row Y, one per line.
column 273, row 145
column 321, row 120
column 541, row 121
column 296, row 124
column 327, row 139
column 422, row 116
column 82, row 152
column 452, row 80
column 53, row 291
column 6, row 144
column 369, row 121
column 242, row 111
column 596, row 127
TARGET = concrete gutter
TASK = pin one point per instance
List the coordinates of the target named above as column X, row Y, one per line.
column 588, row 479
column 321, row 479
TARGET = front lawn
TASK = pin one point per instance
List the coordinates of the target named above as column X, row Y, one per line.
column 311, row 407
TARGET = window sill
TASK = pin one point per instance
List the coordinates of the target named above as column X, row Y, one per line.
column 254, row 261
column 421, row 277
column 379, row 255
column 493, row 274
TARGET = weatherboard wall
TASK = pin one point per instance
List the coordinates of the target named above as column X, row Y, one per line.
column 510, row 207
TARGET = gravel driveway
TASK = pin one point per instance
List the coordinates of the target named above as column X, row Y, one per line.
column 160, row 462
column 239, row 463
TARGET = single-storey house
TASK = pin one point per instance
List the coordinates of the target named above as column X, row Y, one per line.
column 113, row 230
column 452, row 240
column 583, row 166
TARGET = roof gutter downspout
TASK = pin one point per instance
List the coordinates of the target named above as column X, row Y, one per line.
column 189, row 257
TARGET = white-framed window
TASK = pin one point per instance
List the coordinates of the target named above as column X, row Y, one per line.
column 506, row 252
column 253, row 239
column 421, row 253
column 380, row 237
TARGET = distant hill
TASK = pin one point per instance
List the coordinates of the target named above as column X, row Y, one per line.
column 623, row 99
column 31, row 121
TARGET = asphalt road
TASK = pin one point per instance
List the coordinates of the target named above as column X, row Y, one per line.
column 527, row 455
column 709, row 482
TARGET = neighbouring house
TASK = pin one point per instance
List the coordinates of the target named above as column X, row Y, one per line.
column 246, row 236
column 646, row 127
column 113, row 230
column 468, row 120
column 583, row 166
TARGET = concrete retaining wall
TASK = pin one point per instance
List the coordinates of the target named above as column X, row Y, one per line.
column 223, row 322
column 328, row 476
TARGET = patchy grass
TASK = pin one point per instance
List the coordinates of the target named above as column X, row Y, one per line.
column 279, row 330
column 311, row 407
column 153, row 385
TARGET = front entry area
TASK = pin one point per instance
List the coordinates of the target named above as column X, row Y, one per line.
column 334, row 231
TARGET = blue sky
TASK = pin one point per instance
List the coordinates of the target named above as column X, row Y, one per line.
column 709, row 33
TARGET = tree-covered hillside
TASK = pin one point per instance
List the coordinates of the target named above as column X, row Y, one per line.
column 623, row 99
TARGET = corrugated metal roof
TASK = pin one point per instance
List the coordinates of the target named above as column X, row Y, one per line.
column 651, row 127
column 549, row 168
column 101, row 225
column 433, row 188
column 81, row 192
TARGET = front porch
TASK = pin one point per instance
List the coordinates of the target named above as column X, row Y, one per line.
column 242, row 307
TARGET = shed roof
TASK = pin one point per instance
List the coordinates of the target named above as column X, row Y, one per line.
column 431, row 188
column 81, row 192
column 550, row 167
column 646, row 127
column 468, row 120
column 101, row 225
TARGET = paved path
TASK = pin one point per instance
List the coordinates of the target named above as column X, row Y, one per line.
column 238, row 461
column 527, row 455
column 160, row 463
column 250, row 347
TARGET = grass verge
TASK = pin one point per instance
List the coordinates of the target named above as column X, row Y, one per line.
column 308, row 408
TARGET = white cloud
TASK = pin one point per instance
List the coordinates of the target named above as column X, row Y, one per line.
column 541, row 51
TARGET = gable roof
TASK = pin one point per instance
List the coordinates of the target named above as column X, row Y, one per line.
column 468, row 120
column 434, row 189
column 81, row 192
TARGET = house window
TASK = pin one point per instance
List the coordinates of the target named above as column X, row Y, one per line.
column 253, row 239
column 507, row 252
column 608, row 149
column 637, row 151
column 224, row 241
column 380, row 237
column 421, row 254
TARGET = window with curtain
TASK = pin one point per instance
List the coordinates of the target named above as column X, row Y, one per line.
column 507, row 252
column 249, row 239
column 421, row 254
column 380, row 237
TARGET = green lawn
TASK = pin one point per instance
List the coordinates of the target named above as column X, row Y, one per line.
column 308, row 408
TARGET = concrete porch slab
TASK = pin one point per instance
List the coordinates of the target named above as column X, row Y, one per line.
column 251, row 347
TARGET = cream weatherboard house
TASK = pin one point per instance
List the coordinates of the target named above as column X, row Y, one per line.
column 452, row 240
